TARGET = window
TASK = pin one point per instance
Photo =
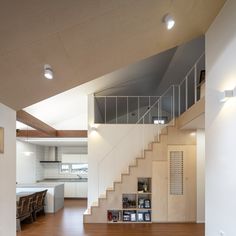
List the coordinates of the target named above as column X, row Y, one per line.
column 65, row 168
column 80, row 168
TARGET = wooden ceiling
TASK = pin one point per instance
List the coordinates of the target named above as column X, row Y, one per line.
column 83, row 40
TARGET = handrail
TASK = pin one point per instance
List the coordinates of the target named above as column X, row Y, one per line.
column 126, row 133
column 154, row 104
column 189, row 72
column 125, row 111
column 122, row 96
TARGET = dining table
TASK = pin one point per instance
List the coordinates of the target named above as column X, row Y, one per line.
column 23, row 194
column 55, row 194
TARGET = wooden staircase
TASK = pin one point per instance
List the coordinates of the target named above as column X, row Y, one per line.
column 112, row 198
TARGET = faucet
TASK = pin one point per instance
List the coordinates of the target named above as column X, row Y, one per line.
column 80, row 177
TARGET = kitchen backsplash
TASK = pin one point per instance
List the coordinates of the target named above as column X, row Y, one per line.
column 52, row 170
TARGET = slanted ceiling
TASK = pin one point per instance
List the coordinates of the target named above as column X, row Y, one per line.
column 83, row 40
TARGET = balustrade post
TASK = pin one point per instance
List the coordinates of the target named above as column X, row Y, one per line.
column 195, row 83
column 186, row 93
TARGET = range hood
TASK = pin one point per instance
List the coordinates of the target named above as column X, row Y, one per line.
column 50, row 155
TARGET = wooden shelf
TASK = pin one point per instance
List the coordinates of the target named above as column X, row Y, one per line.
column 140, row 198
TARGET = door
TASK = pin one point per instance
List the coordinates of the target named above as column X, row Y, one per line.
column 181, row 183
column 159, row 191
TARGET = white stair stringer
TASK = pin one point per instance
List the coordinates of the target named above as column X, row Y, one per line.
column 112, row 199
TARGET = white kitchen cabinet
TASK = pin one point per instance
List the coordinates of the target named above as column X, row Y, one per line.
column 70, row 189
column 76, row 189
column 82, row 189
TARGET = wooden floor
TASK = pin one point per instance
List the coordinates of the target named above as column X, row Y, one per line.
column 69, row 222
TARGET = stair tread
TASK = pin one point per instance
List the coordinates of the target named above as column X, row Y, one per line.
column 94, row 204
column 147, row 150
column 134, row 165
column 110, row 189
column 102, row 196
column 125, row 173
column 88, row 211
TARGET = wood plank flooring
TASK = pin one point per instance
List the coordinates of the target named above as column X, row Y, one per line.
column 69, row 222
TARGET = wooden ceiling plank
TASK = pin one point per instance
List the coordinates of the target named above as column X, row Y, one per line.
column 35, row 123
column 109, row 37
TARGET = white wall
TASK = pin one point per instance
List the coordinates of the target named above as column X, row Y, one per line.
column 200, row 138
column 8, row 173
column 28, row 167
column 221, row 124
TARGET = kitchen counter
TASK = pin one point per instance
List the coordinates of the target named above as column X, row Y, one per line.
column 39, row 184
column 55, row 194
column 64, row 180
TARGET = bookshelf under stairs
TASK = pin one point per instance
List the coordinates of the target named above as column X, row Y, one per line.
column 132, row 198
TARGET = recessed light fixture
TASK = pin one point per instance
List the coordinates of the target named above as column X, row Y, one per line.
column 48, row 72
column 169, row 21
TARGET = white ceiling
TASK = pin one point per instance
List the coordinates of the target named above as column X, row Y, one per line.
column 83, row 40
column 65, row 142
column 67, row 110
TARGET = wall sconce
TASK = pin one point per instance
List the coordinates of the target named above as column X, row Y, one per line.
column 227, row 94
column 28, row 153
column 93, row 128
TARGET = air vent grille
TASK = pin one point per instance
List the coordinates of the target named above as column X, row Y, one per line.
column 176, row 173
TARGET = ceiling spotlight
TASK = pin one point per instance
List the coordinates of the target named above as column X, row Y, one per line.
column 169, row 21
column 48, row 72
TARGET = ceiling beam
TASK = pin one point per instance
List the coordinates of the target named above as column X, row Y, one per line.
column 59, row 134
column 35, row 123
column 31, row 134
column 72, row 133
